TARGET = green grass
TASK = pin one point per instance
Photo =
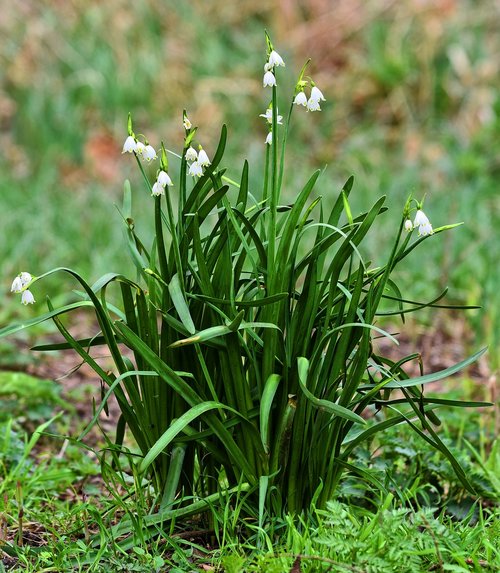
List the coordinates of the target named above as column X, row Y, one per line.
column 420, row 521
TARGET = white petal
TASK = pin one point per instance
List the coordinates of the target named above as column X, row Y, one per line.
column 269, row 138
column 158, row 189
column 164, row 179
column 408, row 225
column 203, row 158
column 300, row 99
column 425, row 229
column 269, row 116
column 191, row 154
column 269, row 79
column 195, row 169
column 130, row 145
column 17, row 285
column 25, row 278
column 139, row 148
column 149, row 153
column 275, row 59
column 420, row 218
column 186, row 123
column 316, row 94
column 313, row 105
column 27, row 297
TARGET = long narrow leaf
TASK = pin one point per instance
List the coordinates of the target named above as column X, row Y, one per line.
column 421, row 380
column 327, row 405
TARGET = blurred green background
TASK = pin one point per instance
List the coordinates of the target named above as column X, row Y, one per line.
column 413, row 105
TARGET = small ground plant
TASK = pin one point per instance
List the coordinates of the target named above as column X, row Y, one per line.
column 244, row 351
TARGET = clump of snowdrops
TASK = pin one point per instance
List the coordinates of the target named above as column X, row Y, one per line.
column 251, row 326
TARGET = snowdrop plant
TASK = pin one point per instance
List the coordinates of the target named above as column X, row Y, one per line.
column 252, row 327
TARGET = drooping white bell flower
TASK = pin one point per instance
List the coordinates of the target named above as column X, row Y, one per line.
column 139, row 148
column 20, row 282
column 269, row 79
column 203, row 158
column 316, row 94
column 422, row 222
column 27, row 297
column 149, row 153
column 313, row 105
column 269, row 116
column 158, row 189
column 195, row 169
column 275, row 59
column 130, row 145
column 164, row 179
column 25, row 278
column 17, row 285
column 187, row 124
column 300, row 99
column 408, row 225
column 191, row 154
column 269, row 138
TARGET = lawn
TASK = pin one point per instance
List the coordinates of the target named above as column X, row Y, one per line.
column 412, row 107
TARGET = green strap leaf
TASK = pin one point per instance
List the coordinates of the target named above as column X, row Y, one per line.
column 185, row 390
column 12, row 328
column 221, row 330
column 178, row 300
column 266, row 403
column 420, row 380
column 175, row 428
column 341, row 411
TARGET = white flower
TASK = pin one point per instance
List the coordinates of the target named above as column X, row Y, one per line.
column 269, row 79
column 191, row 154
column 408, row 225
column 269, row 116
column 316, row 94
column 20, row 282
column 139, row 148
column 424, row 230
column 164, row 179
column 300, row 99
column 17, row 285
column 203, row 158
column 269, row 138
column 149, row 153
column 422, row 222
column 27, row 297
column 158, row 189
column 25, row 278
column 196, row 170
column 275, row 59
column 187, row 124
column 313, row 105
column 268, row 67
column 130, row 145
